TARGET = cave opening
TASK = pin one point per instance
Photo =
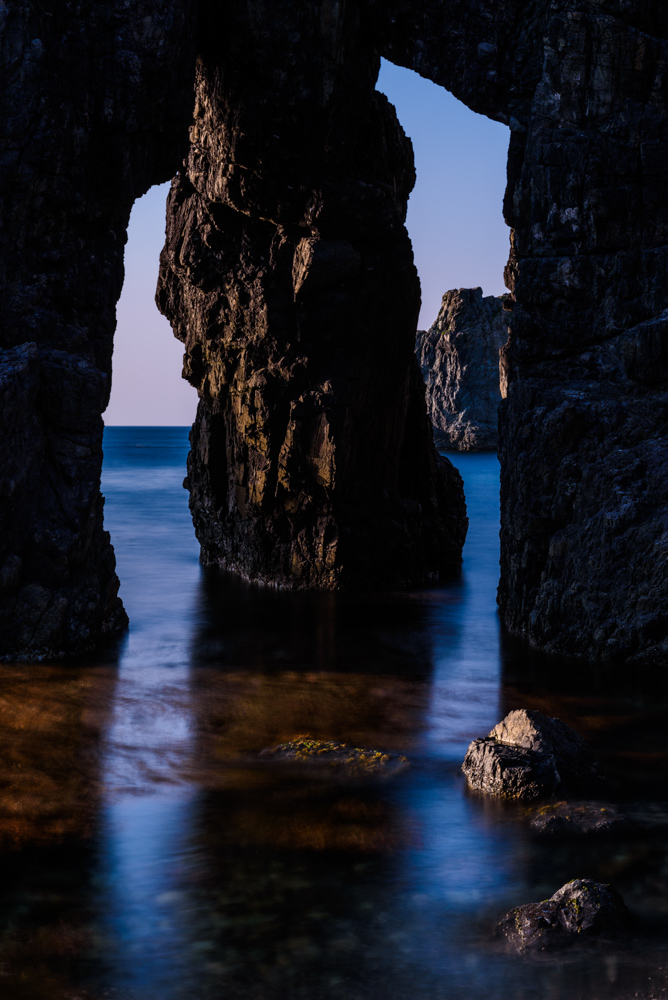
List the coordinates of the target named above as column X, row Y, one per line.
column 460, row 241
column 147, row 389
column 459, row 238
column 455, row 218
column 147, row 423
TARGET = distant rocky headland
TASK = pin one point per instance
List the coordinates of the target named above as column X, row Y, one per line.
column 459, row 360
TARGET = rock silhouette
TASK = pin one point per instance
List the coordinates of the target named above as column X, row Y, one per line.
column 95, row 107
column 288, row 274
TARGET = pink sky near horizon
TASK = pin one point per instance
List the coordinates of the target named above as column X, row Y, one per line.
column 454, row 220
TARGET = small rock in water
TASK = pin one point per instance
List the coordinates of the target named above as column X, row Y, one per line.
column 529, row 755
column 577, row 817
column 350, row 760
column 582, row 907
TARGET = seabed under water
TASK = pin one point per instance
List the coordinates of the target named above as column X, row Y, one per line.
column 146, row 853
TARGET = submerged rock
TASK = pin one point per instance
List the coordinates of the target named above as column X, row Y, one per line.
column 582, row 907
column 353, row 761
column 459, row 359
column 558, row 818
column 529, row 755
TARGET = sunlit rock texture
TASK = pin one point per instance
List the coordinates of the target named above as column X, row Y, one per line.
column 529, row 756
column 459, row 360
column 289, row 276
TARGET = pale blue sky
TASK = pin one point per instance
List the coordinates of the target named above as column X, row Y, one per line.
column 454, row 219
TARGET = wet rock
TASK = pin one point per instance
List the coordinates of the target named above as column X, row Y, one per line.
column 459, row 360
column 337, row 757
column 529, row 755
column 564, row 818
column 581, row 908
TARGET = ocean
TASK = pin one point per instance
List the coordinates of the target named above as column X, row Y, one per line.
column 149, row 853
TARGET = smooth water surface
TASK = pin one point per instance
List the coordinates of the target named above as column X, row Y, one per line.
column 149, row 853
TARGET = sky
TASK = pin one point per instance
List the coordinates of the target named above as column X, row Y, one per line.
column 454, row 220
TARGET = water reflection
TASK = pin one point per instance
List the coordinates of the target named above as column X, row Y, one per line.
column 265, row 629
column 465, row 690
column 149, row 853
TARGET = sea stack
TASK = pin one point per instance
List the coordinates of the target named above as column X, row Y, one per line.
column 459, row 359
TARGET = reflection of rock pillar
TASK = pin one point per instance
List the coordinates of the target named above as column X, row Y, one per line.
column 94, row 110
column 288, row 273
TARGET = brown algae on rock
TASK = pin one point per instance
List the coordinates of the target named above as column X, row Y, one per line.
column 340, row 757
column 556, row 818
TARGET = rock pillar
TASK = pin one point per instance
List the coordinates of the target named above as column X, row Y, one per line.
column 288, row 274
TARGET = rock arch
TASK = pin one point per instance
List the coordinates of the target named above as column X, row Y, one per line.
column 289, row 276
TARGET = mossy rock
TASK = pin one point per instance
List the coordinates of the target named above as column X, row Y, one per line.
column 561, row 819
column 339, row 757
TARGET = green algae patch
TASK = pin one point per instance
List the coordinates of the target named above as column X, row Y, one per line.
column 342, row 758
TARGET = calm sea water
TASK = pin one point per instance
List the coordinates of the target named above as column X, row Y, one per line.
column 146, row 853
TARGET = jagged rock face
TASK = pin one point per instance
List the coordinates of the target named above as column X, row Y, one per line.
column 95, row 106
column 288, row 274
column 459, row 359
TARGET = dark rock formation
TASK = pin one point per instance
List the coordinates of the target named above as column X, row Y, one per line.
column 584, row 430
column 459, row 359
column 527, row 756
column 288, row 274
column 581, row 908
column 94, row 110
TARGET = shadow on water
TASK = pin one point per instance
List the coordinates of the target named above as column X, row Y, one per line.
column 149, row 853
